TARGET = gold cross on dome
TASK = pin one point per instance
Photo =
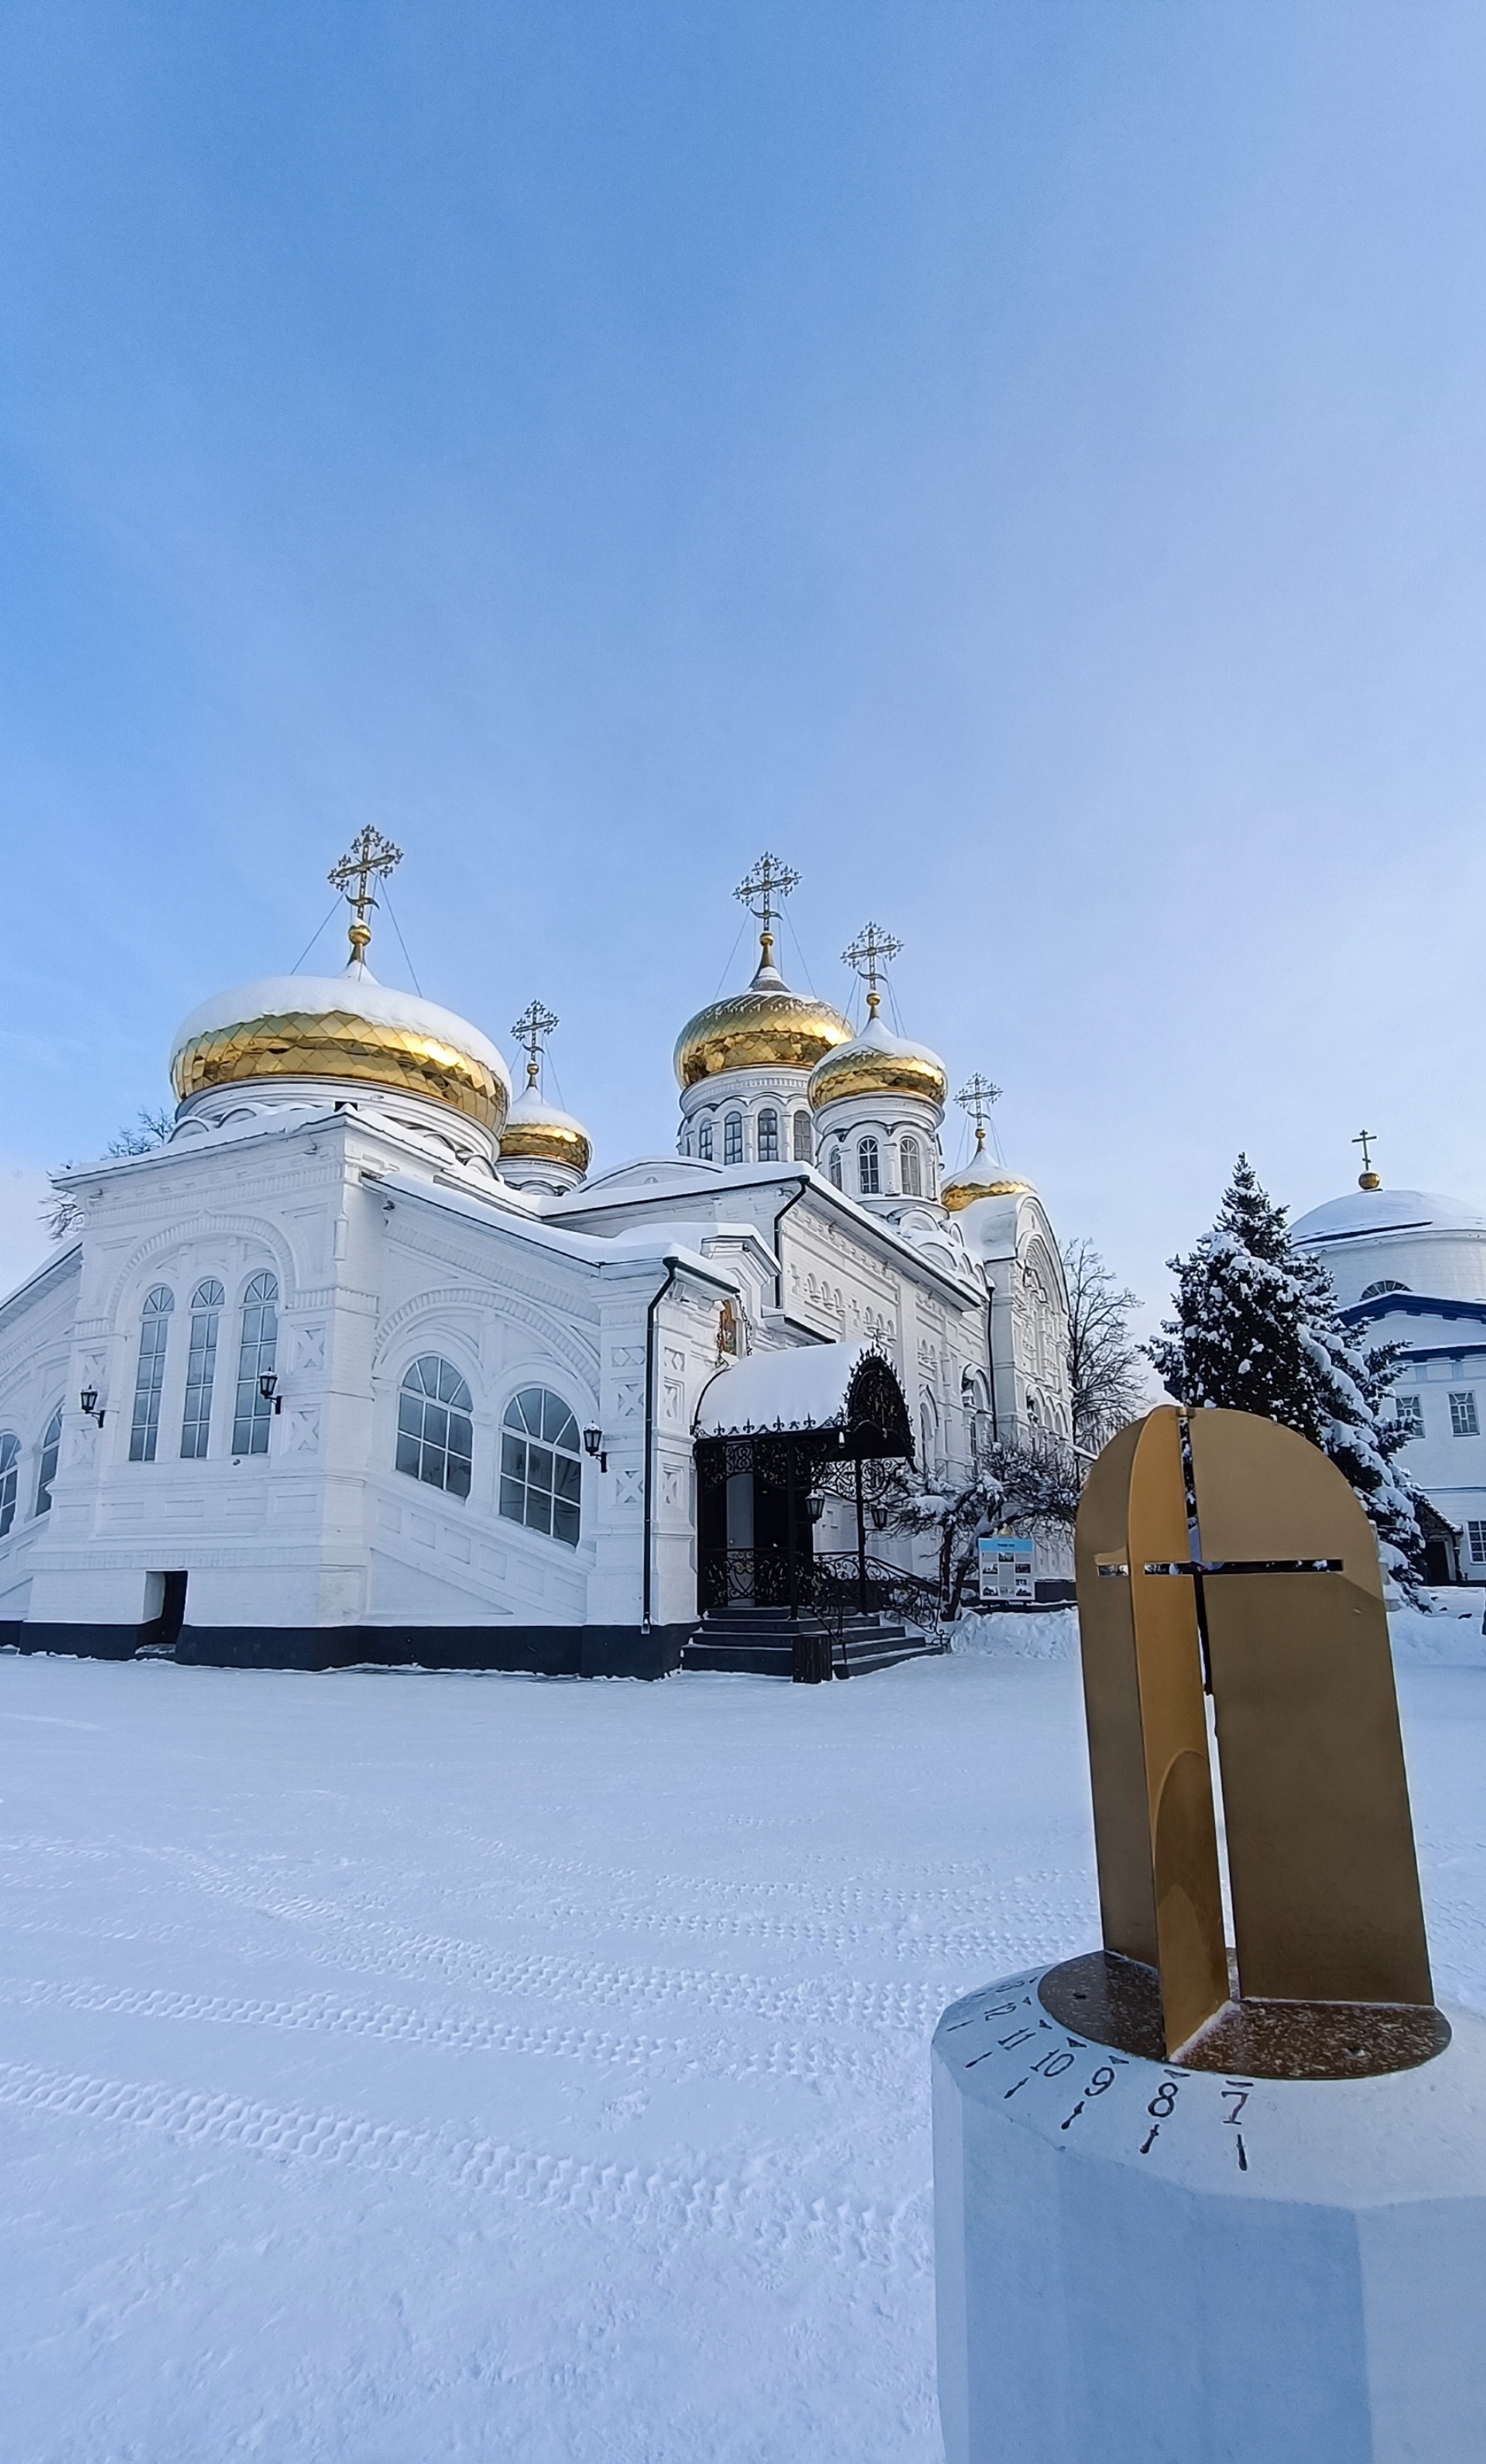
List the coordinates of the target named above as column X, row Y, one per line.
column 371, row 858
column 531, row 1031
column 976, row 1097
column 1366, row 1179
column 869, row 954
column 764, row 891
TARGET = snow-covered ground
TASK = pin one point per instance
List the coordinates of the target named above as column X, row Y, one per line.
column 399, row 2067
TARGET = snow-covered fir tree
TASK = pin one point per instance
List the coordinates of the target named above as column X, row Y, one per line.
column 1258, row 1329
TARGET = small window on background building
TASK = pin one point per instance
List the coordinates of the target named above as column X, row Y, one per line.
column 46, row 1469
column 835, row 1167
column 257, row 1350
column 909, row 1166
column 704, row 1142
column 803, row 1143
column 769, row 1135
column 150, row 1375
column 1375, row 1290
column 869, row 1172
column 201, row 1368
column 1475, row 1535
column 1463, row 1421
column 10, row 1479
column 1411, row 1413
column 435, row 1434
column 732, row 1139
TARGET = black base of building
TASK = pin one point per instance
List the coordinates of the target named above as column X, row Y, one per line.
column 529, row 1650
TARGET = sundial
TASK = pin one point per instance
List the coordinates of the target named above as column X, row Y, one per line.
column 1204, row 2197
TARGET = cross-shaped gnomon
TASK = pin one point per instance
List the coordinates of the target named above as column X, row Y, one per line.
column 1243, row 1559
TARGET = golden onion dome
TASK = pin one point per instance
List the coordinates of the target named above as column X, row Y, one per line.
column 876, row 1062
column 348, row 1028
column 767, row 1027
column 961, row 1190
column 536, row 1132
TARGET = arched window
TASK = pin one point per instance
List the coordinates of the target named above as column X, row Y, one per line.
column 1374, row 1292
column 201, row 1366
column 732, row 1139
column 46, row 1469
column 869, row 1167
column 704, row 1142
column 835, row 1167
column 150, row 1375
column 541, row 1465
column 10, row 1479
column 436, row 1436
column 769, row 1135
column 804, row 1140
column 257, row 1349
column 910, row 1167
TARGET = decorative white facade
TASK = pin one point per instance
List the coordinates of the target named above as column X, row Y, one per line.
column 330, row 1377
column 1409, row 1268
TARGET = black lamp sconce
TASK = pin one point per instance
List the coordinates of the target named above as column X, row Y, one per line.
column 593, row 1444
column 88, row 1399
column 268, row 1388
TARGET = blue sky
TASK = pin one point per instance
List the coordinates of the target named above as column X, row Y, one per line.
column 1024, row 463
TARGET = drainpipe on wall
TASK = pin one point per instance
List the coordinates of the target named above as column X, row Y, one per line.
column 673, row 1267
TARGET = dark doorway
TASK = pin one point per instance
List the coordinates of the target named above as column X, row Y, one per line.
column 172, row 1611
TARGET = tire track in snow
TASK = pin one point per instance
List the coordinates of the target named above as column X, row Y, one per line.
column 463, row 2032
column 662, row 2201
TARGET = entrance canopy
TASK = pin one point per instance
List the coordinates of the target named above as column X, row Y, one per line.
column 846, row 1394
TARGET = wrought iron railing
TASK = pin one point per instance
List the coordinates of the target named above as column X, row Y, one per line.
column 830, row 1588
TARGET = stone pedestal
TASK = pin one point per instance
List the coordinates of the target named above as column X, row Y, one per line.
column 1140, row 2264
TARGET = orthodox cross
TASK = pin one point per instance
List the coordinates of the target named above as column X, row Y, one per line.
column 1366, row 1179
column 531, row 1031
column 764, row 891
column 976, row 1097
column 371, row 858
column 869, row 954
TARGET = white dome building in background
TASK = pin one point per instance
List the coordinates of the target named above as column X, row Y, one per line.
column 1409, row 1268
column 361, row 1362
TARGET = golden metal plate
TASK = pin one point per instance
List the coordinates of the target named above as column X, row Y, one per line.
column 1321, row 1847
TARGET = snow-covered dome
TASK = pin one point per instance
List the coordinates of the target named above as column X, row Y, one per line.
column 876, row 1062
column 543, row 1147
column 1363, row 1212
column 348, row 1029
column 1378, row 1242
column 767, row 1027
column 983, row 1176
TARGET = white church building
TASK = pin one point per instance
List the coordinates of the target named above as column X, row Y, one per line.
column 1409, row 1268
column 364, row 1364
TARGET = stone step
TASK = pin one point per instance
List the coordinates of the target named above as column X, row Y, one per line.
column 867, row 1647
